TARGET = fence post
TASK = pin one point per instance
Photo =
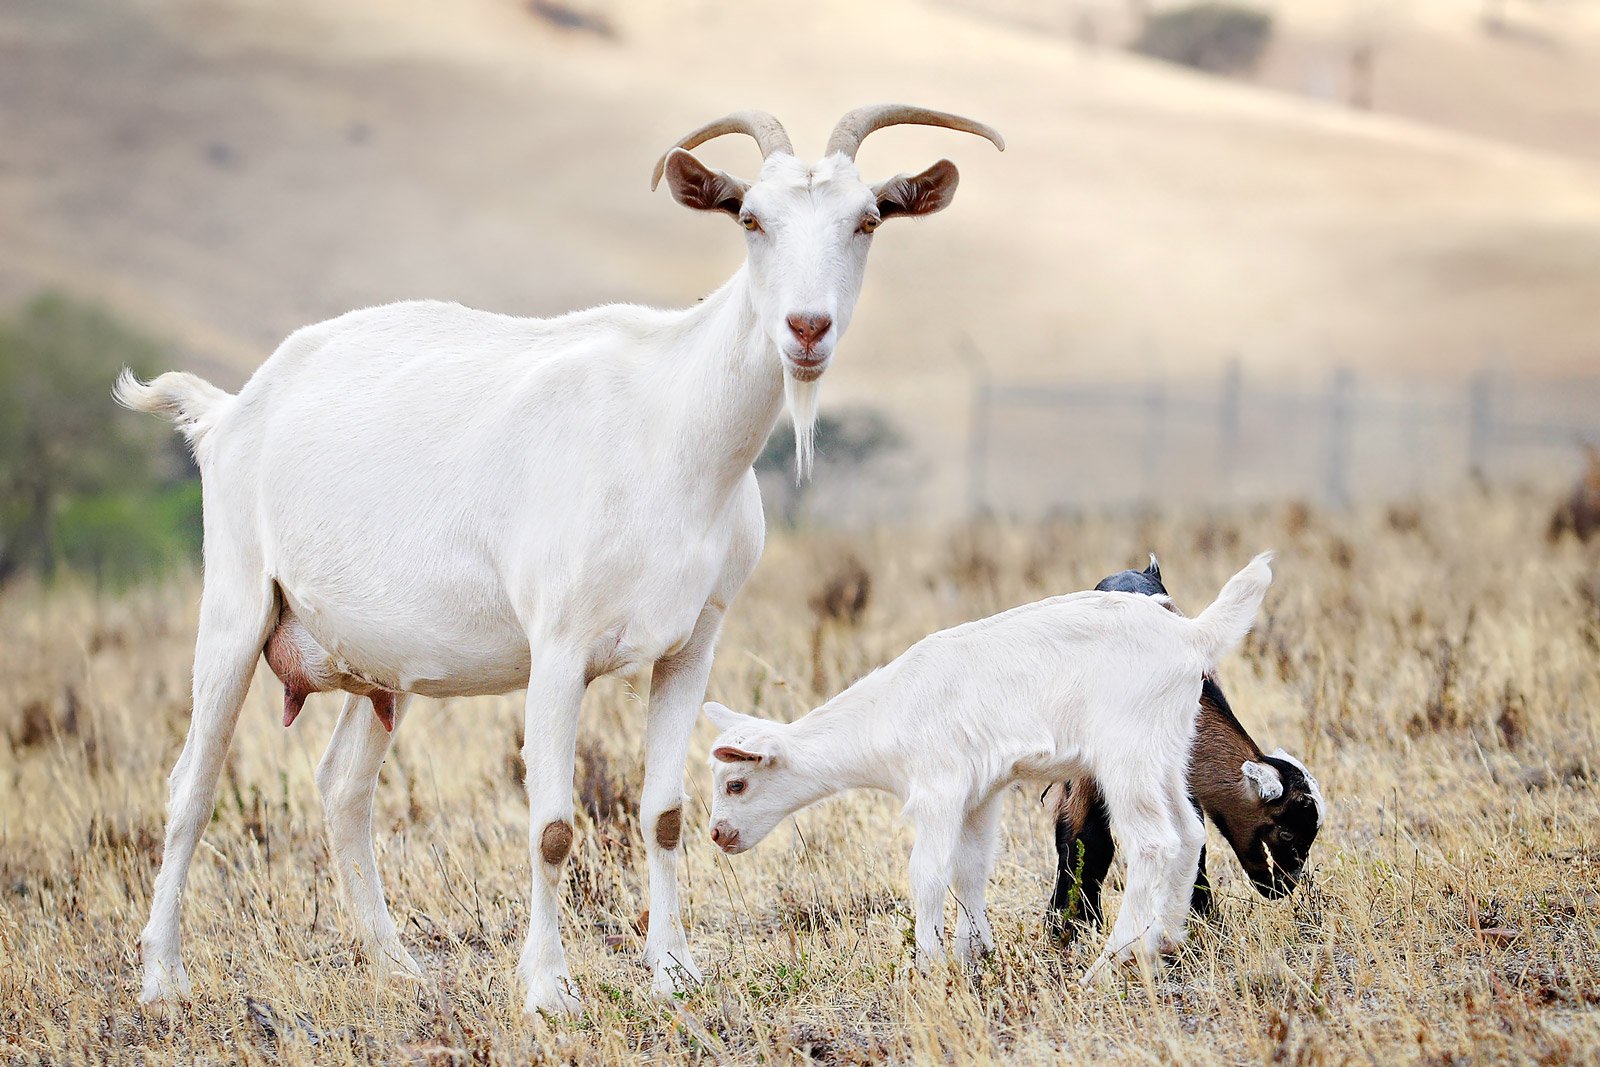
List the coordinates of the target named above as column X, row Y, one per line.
column 1155, row 426
column 1480, row 424
column 1228, row 428
column 1338, row 455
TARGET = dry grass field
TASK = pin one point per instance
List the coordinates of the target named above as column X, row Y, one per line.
column 1438, row 666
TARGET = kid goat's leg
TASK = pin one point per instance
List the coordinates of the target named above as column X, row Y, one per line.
column 677, row 689
column 974, row 858
column 555, row 695
column 236, row 613
column 939, row 830
column 1160, row 865
column 1084, row 850
column 347, row 778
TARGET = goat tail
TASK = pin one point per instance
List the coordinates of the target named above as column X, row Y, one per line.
column 1224, row 624
column 191, row 402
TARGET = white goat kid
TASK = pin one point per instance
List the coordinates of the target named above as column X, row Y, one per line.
column 422, row 498
column 1101, row 683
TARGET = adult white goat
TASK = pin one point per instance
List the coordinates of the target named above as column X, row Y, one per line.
column 421, row 498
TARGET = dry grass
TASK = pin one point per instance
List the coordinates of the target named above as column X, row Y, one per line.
column 1436, row 666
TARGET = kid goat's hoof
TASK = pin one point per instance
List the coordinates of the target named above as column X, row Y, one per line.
column 556, row 996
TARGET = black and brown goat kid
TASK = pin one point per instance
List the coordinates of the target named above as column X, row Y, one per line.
column 1268, row 807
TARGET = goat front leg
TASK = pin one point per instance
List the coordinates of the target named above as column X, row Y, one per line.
column 939, row 829
column 970, row 880
column 1201, row 903
column 236, row 610
column 1084, row 850
column 347, row 778
column 549, row 751
column 677, row 690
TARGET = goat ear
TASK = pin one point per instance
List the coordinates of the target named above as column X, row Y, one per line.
column 1154, row 570
column 918, row 194
column 696, row 185
column 721, row 716
column 730, row 754
column 1264, row 779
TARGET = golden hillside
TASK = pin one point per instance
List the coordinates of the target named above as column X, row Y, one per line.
column 227, row 170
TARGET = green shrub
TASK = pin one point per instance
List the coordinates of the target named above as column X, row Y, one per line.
column 83, row 483
column 1219, row 38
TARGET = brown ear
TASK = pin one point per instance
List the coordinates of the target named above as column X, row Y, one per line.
column 729, row 754
column 696, row 185
column 918, row 194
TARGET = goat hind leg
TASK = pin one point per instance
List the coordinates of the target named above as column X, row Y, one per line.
column 1154, row 848
column 347, row 778
column 970, row 879
column 933, row 857
column 236, row 613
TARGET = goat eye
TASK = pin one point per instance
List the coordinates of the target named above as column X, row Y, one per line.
column 749, row 222
column 1286, row 836
column 735, row 787
column 868, row 224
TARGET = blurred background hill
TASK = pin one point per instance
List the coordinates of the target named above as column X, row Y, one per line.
column 1401, row 192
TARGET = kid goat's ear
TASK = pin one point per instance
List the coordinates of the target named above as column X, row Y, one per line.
column 1264, row 779
column 721, row 716
column 729, row 754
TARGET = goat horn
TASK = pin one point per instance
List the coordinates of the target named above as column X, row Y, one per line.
column 854, row 127
column 765, row 128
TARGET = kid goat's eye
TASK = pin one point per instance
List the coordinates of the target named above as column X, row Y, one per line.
column 736, row 787
column 868, row 224
column 749, row 222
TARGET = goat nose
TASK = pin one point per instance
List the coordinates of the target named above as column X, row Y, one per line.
column 809, row 328
column 716, row 835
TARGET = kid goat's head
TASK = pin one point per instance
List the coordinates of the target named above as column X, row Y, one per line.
column 808, row 227
column 753, row 789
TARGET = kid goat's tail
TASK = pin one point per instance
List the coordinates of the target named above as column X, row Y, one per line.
column 1225, row 623
column 191, row 402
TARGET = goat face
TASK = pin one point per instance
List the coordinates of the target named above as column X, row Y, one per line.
column 1273, row 834
column 808, row 227
column 807, row 232
column 752, row 791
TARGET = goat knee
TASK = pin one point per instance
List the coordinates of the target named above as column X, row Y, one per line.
column 669, row 828
column 555, row 842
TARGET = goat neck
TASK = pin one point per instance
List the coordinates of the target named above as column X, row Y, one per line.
column 725, row 381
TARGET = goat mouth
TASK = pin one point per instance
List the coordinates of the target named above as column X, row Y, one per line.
column 1275, row 888
column 806, row 367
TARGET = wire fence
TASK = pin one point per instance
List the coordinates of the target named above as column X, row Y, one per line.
column 1037, row 449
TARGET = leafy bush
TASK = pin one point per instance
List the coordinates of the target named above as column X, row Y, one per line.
column 83, row 483
column 1219, row 38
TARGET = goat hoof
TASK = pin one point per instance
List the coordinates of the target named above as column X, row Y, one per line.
column 164, row 984
column 398, row 965
column 675, row 974
column 557, row 996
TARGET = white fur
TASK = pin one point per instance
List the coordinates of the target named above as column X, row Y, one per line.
column 1264, row 779
column 1106, row 684
column 453, row 502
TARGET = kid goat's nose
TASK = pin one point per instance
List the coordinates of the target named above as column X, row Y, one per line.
column 809, row 328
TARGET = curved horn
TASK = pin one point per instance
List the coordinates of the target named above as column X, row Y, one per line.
column 766, row 129
column 854, row 127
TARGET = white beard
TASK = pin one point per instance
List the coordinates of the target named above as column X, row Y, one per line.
column 801, row 400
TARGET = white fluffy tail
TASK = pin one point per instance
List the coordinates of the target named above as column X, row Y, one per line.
column 1224, row 624
column 190, row 401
